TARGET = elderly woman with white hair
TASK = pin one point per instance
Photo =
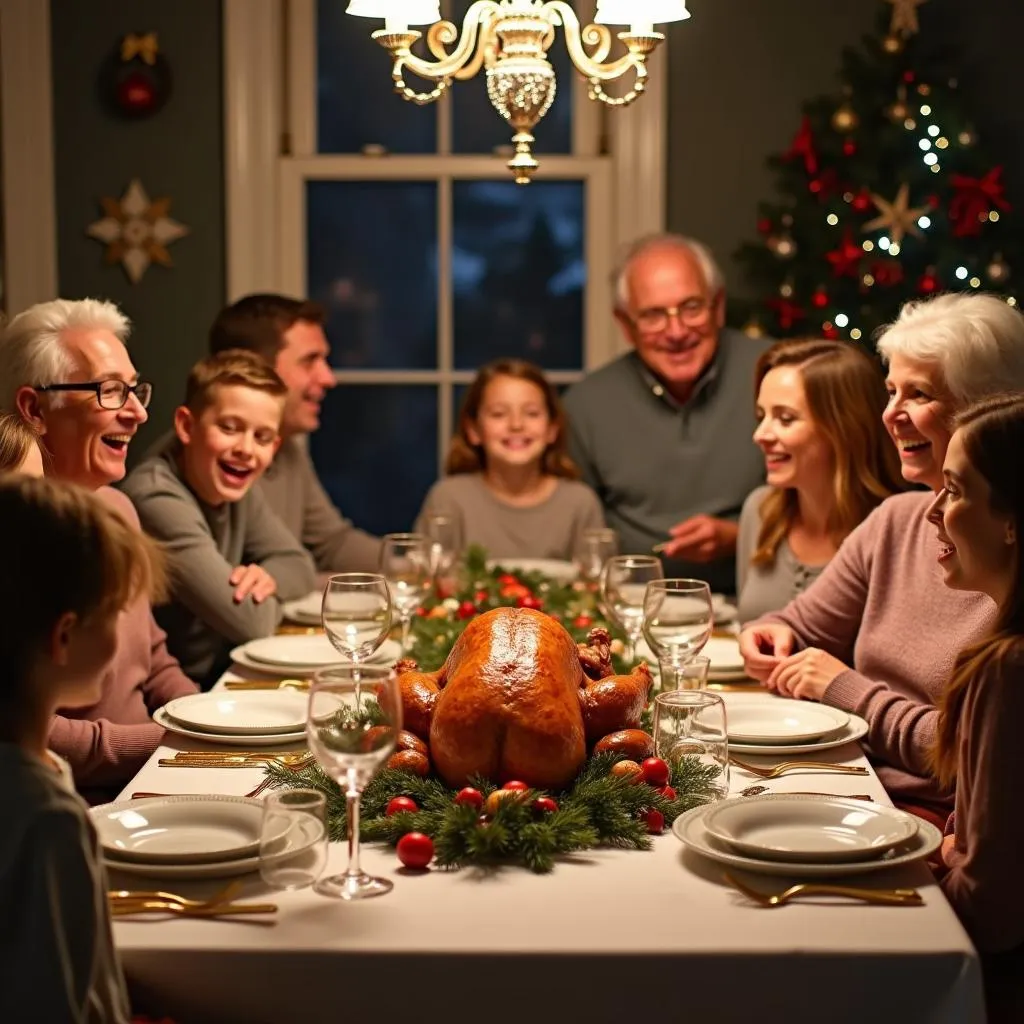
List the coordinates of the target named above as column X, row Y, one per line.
column 65, row 370
column 877, row 634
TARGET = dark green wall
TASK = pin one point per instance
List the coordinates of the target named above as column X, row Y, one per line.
column 177, row 153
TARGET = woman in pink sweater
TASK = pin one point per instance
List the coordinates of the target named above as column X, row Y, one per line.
column 64, row 368
column 877, row 633
column 979, row 516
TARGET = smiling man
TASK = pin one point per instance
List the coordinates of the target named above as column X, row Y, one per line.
column 288, row 333
column 663, row 433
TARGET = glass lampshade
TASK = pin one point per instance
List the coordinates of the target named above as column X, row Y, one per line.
column 405, row 12
column 639, row 12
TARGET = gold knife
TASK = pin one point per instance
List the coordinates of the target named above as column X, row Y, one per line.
column 266, row 684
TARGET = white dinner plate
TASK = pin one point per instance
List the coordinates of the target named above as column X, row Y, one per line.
column 856, row 728
column 689, row 829
column 724, row 655
column 230, row 739
column 304, row 833
column 180, row 829
column 779, row 720
column 558, row 570
column 276, row 712
column 305, row 610
column 304, row 654
column 792, row 827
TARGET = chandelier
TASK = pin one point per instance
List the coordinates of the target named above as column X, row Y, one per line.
column 510, row 40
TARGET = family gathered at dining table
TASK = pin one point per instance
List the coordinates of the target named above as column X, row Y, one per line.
column 866, row 513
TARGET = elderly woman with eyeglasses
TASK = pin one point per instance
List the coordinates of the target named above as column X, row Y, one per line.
column 65, row 370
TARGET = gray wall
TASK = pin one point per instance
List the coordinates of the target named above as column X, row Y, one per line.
column 176, row 153
column 740, row 70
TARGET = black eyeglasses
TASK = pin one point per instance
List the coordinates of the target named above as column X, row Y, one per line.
column 111, row 394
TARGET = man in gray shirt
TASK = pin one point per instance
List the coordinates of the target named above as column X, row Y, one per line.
column 663, row 433
column 288, row 333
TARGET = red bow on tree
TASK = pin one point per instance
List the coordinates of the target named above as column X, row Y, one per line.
column 787, row 312
column 846, row 259
column 973, row 200
column 803, row 146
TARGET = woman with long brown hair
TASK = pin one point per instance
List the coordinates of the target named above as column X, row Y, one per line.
column 19, row 446
column 979, row 516
column 510, row 483
column 828, row 462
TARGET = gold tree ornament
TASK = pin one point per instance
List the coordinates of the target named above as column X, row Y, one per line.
column 892, row 44
column 899, row 111
column 845, row 118
column 904, row 17
column 136, row 230
column 897, row 218
column 998, row 271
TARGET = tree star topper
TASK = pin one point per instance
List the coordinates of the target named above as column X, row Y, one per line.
column 904, row 17
column 137, row 230
column 896, row 217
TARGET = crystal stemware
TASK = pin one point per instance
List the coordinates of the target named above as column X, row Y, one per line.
column 444, row 535
column 692, row 723
column 356, row 614
column 623, row 585
column 405, row 561
column 352, row 727
column 596, row 545
column 678, row 619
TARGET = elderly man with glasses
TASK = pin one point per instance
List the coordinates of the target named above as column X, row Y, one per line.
column 663, row 433
column 65, row 370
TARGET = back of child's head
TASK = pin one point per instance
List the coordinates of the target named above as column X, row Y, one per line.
column 234, row 367
column 466, row 457
column 16, row 441
column 63, row 550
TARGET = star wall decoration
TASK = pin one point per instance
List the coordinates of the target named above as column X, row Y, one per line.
column 896, row 217
column 137, row 230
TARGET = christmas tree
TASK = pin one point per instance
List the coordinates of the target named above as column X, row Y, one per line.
column 886, row 196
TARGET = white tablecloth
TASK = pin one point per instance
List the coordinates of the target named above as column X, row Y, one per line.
column 608, row 936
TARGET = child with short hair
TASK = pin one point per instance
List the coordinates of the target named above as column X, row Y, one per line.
column 510, row 483
column 232, row 560
column 73, row 565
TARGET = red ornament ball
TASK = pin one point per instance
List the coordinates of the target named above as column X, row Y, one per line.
column 470, row 797
column 508, row 581
column 529, row 601
column 764, row 225
column 908, row 76
column 545, row 805
column 849, row 147
column 815, row 185
column 927, row 284
column 668, row 792
column 466, row 610
column 829, row 330
column 398, row 804
column 480, row 596
column 655, row 771
column 861, row 202
column 582, row 621
column 136, row 94
column 655, row 821
column 820, row 298
column 415, row 850
column 516, row 786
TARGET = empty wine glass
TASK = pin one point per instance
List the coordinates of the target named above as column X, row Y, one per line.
column 293, row 838
column 352, row 726
column 444, row 534
column 356, row 614
column 596, row 545
column 691, row 723
column 623, row 586
column 678, row 619
column 405, row 561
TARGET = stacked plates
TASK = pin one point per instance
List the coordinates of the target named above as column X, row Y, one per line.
column 305, row 610
column 776, row 725
column 793, row 834
column 243, row 718
column 292, row 654
column 726, row 662
column 193, row 836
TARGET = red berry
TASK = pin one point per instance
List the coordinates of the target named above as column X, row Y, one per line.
column 667, row 792
column 399, row 804
column 466, row 610
column 655, row 771
column 655, row 821
column 470, row 796
column 529, row 601
column 508, row 581
column 516, row 786
column 582, row 621
column 415, row 850
column 481, row 595
column 545, row 805
column 422, row 612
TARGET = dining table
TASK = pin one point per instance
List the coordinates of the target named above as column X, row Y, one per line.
column 610, row 935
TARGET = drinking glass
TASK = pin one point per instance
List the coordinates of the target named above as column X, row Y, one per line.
column 691, row 676
column 596, row 545
column 293, row 838
column 444, row 534
column 691, row 723
column 356, row 614
column 405, row 561
column 678, row 618
column 623, row 585
column 352, row 725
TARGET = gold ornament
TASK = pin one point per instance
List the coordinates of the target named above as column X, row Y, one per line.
column 904, row 17
column 998, row 271
column 845, row 118
column 967, row 137
column 896, row 217
column 752, row 329
column 924, row 89
column 782, row 246
column 898, row 111
column 892, row 45
column 786, row 289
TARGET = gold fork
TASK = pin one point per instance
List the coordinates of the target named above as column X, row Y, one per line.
column 299, row 762
column 267, row 684
column 223, row 895
column 775, row 771
column 125, row 908
column 888, row 897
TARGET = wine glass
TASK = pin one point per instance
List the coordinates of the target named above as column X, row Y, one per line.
column 352, row 726
column 596, row 545
column 444, row 535
column 692, row 723
column 293, row 838
column 623, row 586
column 678, row 619
column 356, row 614
column 405, row 561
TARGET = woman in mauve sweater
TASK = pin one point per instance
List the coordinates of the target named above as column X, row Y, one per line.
column 877, row 633
column 978, row 516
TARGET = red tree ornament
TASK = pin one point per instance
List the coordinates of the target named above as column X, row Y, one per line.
column 787, row 312
column 829, row 330
column 887, row 272
column 861, row 202
column 845, row 260
column 974, row 198
column 820, row 298
column 849, row 147
column 803, row 146
column 928, row 283
column 764, row 226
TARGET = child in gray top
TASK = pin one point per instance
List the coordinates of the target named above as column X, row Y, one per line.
column 510, row 483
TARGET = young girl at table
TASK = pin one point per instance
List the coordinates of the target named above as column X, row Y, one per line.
column 19, row 447
column 510, row 483
column 71, row 564
column 979, row 516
